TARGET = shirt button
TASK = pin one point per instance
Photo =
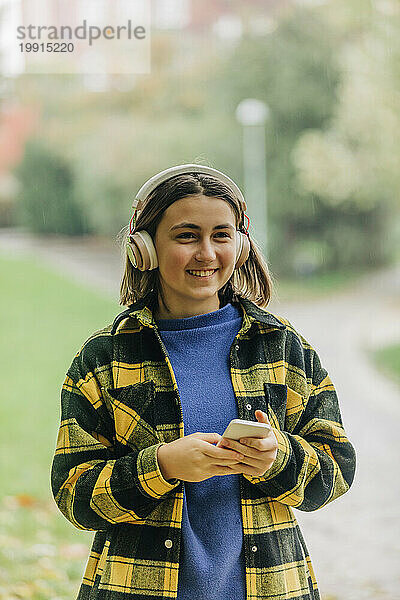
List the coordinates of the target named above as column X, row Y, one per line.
column 168, row 543
column 248, row 406
column 254, row 548
column 236, row 346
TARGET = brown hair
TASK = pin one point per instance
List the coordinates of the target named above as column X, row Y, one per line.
column 252, row 280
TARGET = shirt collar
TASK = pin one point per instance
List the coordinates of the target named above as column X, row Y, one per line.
column 253, row 313
column 142, row 311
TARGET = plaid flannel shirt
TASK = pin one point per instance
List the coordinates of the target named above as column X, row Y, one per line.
column 120, row 402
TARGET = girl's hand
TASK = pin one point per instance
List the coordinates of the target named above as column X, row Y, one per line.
column 195, row 457
column 259, row 453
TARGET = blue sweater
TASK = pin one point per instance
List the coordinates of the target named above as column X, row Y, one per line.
column 211, row 561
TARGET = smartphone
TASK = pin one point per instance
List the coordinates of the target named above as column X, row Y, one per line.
column 239, row 428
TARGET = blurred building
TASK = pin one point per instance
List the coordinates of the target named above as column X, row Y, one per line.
column 206, row 16
column 195, row 28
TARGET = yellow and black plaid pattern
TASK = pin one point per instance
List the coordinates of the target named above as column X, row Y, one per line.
column 120, row 402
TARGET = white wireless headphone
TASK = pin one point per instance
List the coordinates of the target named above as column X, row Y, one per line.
column 140, row 247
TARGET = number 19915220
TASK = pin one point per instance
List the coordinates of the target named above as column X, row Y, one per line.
column 46, row 47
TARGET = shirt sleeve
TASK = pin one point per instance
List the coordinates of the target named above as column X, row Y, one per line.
column 93, row 486
column 315, row 462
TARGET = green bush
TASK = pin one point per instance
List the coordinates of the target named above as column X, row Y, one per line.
column 46, row 202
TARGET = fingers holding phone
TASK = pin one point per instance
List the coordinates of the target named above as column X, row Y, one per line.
column 256, row 441
column 246, row 447
column 196, row 457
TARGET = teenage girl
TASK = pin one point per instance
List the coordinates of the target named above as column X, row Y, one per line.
column 180, row 511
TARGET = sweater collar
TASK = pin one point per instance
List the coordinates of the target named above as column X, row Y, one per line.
column 142, row 311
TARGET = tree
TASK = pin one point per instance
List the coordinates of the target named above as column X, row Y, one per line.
column 352, row 163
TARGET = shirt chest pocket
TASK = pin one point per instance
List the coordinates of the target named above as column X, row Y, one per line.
column 284, row 405
column 132, row 409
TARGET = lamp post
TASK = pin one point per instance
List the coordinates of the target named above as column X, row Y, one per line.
column 252, row 115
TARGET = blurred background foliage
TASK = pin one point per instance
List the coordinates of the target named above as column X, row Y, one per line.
column 329, row 74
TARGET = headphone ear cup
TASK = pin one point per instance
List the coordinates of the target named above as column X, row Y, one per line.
column 133, row 254
column 242, row 249
column 141, row 251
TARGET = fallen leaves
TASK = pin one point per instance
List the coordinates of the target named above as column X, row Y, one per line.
column 41, row 556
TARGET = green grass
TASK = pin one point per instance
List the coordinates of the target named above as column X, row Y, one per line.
column 388, row 360
column 44, row 320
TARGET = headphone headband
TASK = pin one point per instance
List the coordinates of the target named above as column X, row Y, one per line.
column 154, row 181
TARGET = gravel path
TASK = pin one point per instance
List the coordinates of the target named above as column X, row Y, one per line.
column 354, row 542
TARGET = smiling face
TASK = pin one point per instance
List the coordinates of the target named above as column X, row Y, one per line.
column 196, row 248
